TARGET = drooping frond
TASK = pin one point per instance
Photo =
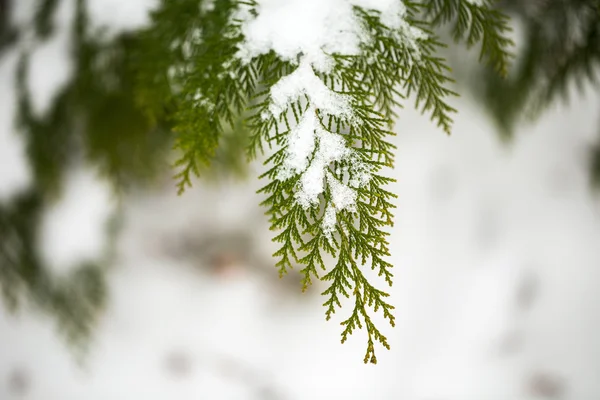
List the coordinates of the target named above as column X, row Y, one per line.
column 317, row 85
column 322, row 107
column 325, row 193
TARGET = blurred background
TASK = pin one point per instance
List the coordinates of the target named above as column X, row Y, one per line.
column 114, row 287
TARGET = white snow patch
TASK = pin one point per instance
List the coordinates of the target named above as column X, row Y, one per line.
column 315, row 28
column 478, row 3
column 331, row 148
column 329, row 220
column 301, row 144
column 304, row 137
column 303, row 81
column 116, row 16
column 74, row 229
column 342, row 198
column 50, row 65
column 308, row 27
column 21, row 11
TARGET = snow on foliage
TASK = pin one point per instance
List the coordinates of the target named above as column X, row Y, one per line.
column 311, row 31
column 317, row 84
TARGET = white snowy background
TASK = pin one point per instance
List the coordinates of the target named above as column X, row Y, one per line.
column 497, row 272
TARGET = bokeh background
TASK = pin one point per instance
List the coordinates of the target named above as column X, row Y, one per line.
column 496, row 249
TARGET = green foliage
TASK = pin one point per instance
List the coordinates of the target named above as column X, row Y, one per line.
column 229, row 160
column 182, row 59
column 182, row 74
column 359, row 238
column 208, row 88
column 388, row 64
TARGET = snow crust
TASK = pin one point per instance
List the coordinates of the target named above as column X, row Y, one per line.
column 311, row 149
column 312, row 28
column 48, row 74
column 303, row 81
column 308, row 27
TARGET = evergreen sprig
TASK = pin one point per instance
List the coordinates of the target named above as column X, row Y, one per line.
column 358, row 238
column 209, row 87
column 184, row 73
column 189, row 61
column 395, row 68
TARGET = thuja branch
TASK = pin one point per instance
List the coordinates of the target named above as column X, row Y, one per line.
column 319, row 84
